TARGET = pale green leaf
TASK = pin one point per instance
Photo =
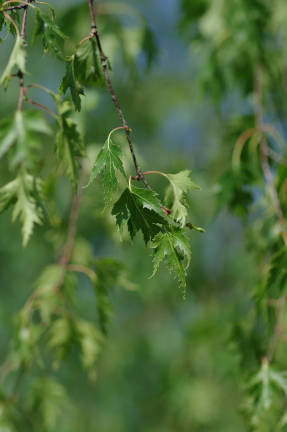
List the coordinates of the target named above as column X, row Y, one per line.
column 181, row 184
column 107, row 164
column 17, row 60
column 23, row 193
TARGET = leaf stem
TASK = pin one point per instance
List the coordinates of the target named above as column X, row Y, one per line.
column 12, row 22
column 114, row 130
column 22, row 5
column 43, row 107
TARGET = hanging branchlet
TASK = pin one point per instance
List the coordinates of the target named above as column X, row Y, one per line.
column 49, row 312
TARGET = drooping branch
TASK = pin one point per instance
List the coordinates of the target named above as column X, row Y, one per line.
column 104, row 63
column 73, row 219
column 264, row 151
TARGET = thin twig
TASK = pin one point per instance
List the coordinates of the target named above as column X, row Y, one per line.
column 104, row 63
column 43, row 107
column 72, row 227
column 79, row 268
column 11, row 8
column 20, row 72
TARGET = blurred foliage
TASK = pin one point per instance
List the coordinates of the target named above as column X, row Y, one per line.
column 103, row 347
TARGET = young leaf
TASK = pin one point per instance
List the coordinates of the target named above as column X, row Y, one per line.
column 70, row 82
column 23, row 193
column 276, row 282
column 262, row 387
column 173, row 246
column 17, row 60
column 181, row 184
column 139, row 214
column 60, row 337
column 107, row 164
column 51, row 35
column 108, row 274
column 82, row 69
column 90, row 340
column 69, row 144
column 20, row 132
column 47, row 398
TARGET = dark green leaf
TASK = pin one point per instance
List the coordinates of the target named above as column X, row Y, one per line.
column 174, row 247
column 82, row 69
column 50, row 34
column 69, row 143
column 139, row 214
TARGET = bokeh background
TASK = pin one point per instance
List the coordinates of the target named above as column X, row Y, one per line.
column 167, row 364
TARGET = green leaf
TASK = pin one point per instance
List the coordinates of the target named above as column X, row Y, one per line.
column 51, row 35
column 108, row 274
column 276, row 283
column 181, row 184
column 47, row 398
column 45, row 291
column 262, row 387
column 59, row 338
column 174, row 247
column 138, row 214
column 23, row 192
column 70, row 82
column 69, row 143
column 17, row 59
column 90, row 340
column 148, row 199
column 107, row 164
column 20, row 133
column 82, row 69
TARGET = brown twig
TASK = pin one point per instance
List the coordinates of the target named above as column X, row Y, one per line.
column 11, row 8
column 104, row 63
column 43, row 107
column 72, row 226
column 20, row 72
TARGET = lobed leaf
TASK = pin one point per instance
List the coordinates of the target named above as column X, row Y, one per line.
column 181, row 184
column 20, row 133
column 174, row 247
column 69, row 143
column 50, row 34
column 139, row 214
column 17, row 60
column 82, row 69
column 107, row 164
column 23, row 192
